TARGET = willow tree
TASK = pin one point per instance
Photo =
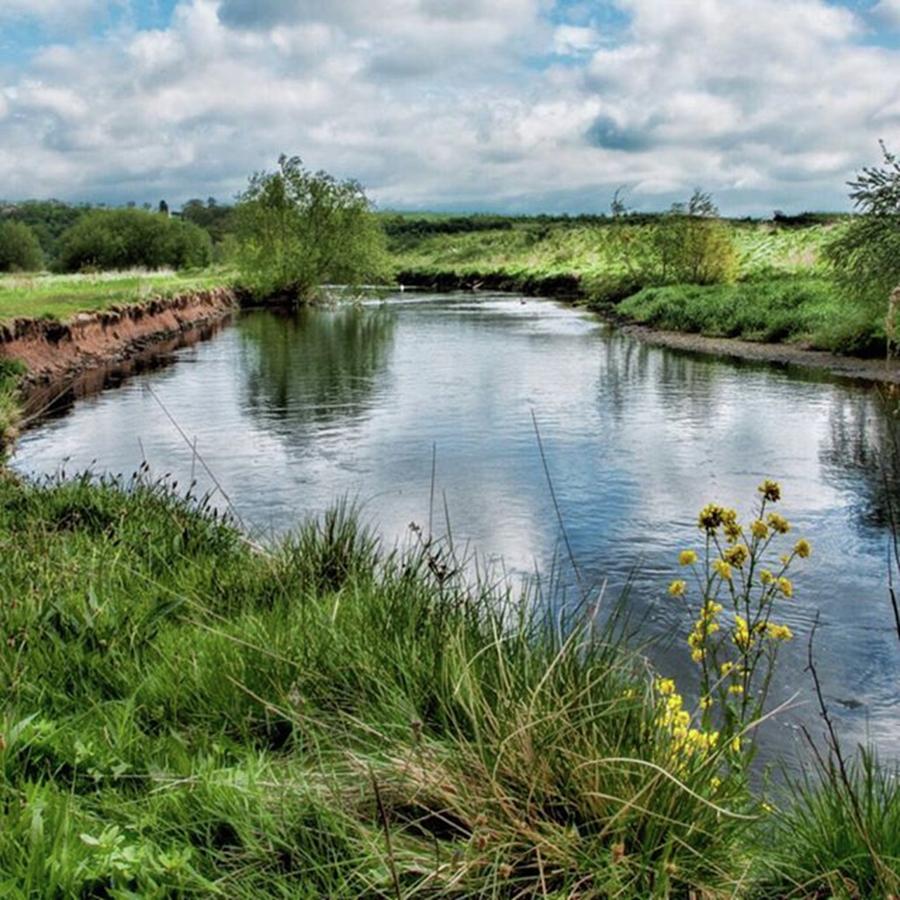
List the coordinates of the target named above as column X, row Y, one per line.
column 865, row 256
column 298, row 230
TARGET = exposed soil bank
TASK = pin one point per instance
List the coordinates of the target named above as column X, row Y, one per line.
column 569, row 287
column 57, row 352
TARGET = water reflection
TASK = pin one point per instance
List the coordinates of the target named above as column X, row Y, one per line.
column 317, row 366
column 863, row 454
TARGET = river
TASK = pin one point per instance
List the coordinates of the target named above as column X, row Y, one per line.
column 290, row 412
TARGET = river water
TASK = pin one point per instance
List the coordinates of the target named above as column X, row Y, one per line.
column 290, row 412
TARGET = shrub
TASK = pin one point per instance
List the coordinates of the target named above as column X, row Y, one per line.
column 20, row 250
column 131, row 238
column 688, row 245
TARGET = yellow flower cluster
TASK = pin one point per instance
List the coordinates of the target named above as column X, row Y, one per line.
column 712, row 517
column 779, row 523
column 786, row 587
column 802, row 548
column 675, row 719
column 703, row 628
column 678, row 588
column 687, row 557
column 759, row 529
column 779, row 632
column 771, row 490
column 737, row 555
column 741, row 634
column 723, row 570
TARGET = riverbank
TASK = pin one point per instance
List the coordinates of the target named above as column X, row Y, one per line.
column 45, row 353
column 189, row 713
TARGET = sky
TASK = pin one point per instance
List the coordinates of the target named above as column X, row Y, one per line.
column 461, row 105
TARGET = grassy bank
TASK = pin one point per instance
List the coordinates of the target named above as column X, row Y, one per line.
column 188, row 715
column 782, row 293
column 62, row 296
column 796, row 309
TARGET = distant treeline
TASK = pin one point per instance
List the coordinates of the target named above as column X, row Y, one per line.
column 77, row 237
column 151, row 236
column 410, row 225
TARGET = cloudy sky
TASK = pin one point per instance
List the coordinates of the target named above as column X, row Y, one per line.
column 509, row 105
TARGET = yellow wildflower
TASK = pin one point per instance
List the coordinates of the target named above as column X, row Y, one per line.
column 735, row 744
column 737, row 555
column 723, row 570
column 759, row 530
column 697, row 655
column 715, row 782
column 711, row 609
column 706, row 703
column 766, row 577
column 771, row 490
column 726, row 668
column 687, row 557
column 802, row 548
column 677, row 588
column 779, row 523
column 742, row 638
column 779, row 632
column 665, row 686
column 786, row 587
column 710, row 517
column 736, row 689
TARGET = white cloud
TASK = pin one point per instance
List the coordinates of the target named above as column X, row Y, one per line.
column 431, row 102
column 55, row 12
column 572, row 40
column 888, row 11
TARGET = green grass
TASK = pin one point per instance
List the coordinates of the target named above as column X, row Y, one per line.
column 801, row 309
column 186, row 715
column 838, row 837
column 62, row 296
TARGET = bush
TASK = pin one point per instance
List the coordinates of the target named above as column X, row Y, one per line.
column 131, row 238
column 688, row 245
column 20, row 250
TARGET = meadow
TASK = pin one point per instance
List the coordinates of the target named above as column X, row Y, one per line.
column 58, row 296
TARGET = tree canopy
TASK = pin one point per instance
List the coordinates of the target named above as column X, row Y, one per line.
column 299, row 230
column 20, row 250
column 129, row 238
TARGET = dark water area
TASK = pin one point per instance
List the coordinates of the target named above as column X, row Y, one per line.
column 293, row 411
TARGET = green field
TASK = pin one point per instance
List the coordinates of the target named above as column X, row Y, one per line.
column 62, row 296
column 548, row 248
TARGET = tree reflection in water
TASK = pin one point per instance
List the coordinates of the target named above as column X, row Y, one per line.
column 863, row 453
column 317, row 366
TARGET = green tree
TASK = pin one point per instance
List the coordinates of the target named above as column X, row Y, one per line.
column 20, row 250
column 129, row 238
column 865, row 255
column 299, row 230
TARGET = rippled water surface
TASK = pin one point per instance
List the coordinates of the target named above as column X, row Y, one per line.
column 290, row 412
